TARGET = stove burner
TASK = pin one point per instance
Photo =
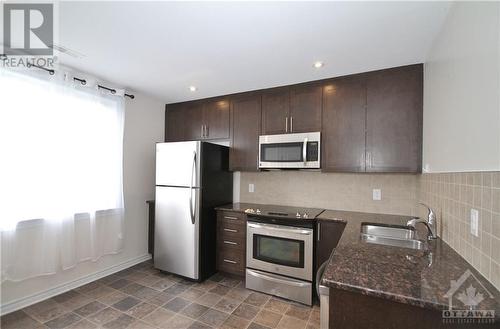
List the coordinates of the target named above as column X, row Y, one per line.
column 277, row 213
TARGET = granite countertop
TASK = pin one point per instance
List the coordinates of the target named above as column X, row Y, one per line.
column 403, row 275
column 241, row 207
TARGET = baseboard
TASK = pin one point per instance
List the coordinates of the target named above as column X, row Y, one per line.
column 38, row 297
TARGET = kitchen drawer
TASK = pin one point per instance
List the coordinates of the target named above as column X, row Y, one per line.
column 227, row 241
column 231, row 261
column 231, row 228
column 231, row 216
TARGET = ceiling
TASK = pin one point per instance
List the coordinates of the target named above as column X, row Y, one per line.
column 162, row 48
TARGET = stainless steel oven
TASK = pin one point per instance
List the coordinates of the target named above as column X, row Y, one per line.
column 292, row 151
column 279, row 260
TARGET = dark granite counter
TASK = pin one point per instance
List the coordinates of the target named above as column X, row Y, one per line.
column 419, row 278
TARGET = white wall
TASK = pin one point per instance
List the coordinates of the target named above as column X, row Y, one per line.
column 144, row 125
column 462, row 91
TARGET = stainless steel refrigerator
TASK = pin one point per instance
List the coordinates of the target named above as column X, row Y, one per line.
column 192, row 178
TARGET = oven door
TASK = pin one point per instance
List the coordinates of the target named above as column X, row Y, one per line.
column 280, row 249
column 290, row 151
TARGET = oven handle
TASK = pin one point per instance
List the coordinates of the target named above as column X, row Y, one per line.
column 277, row 280
column 281, row 229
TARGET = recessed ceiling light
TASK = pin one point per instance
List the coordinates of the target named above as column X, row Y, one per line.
column 318, row 64
column 192, row 88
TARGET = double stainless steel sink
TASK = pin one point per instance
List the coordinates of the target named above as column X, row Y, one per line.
column 391, row 235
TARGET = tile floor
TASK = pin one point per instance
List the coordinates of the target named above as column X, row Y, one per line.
column 143, row 298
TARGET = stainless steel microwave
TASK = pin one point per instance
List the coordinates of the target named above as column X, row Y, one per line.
column 290, row 151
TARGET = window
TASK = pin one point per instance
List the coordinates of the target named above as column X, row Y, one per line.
column 60, row 172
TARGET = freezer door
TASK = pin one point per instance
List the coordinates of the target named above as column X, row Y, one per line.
column 176, row 231
column 178, row 164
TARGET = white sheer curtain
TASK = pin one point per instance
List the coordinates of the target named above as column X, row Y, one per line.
column 61, row 191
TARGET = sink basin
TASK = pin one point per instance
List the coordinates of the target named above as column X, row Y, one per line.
column 389, row 235
column 389, row 231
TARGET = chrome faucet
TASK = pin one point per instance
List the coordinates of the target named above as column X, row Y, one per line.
column 431, row 222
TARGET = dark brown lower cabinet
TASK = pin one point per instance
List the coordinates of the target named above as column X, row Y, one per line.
column 151, row 226
column 328, row 234
column 246, row 121
column 231, row 242
column 349, row 310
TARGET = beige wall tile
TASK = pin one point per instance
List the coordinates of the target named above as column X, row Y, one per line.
column 452, row 196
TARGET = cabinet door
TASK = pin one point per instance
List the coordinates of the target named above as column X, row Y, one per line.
column 174, row 118
column 246, row 115
column 192, row 120
column 343, row 132
column 216, row 119
column 305, row 109
column 275, row 111
column 394, row 120
column 328, row 236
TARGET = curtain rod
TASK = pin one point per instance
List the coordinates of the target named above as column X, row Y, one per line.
column 82, row 81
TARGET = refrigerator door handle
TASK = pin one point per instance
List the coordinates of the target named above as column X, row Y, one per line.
column 191, row 210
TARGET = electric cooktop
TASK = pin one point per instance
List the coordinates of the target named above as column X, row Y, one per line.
column 283, row 214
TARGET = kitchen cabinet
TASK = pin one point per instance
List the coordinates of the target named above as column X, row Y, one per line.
column 208, row 119
column 245, row 131
column 275, row 111
column 231, row 242
column 192, row 120
column 295, row 109
column 174, row 123
column 305, row 108
column 394, row 120
column 328, row 234
column 369, row 122
column 372, row 122
column 216, row 119
column 343, row 131
column 151, row 227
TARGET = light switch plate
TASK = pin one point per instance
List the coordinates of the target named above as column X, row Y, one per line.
column 251, row 188
column 474, row 222
column 377, row 194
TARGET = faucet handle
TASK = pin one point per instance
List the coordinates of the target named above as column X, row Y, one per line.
column 431, row 213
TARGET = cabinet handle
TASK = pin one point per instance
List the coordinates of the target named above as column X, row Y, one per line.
column 229, row 261
column 319, row 230
column 230, row 242
column 286, row 124
column 230, row 230
column 230, row 217
column 291, row 124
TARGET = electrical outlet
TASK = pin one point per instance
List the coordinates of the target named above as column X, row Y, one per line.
column 251, row 188
column 377, row 194
column 474, row 222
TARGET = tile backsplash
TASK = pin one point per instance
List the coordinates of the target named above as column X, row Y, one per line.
column 452, row 196
column 332, row 190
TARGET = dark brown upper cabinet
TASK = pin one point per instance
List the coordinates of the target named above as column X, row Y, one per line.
column 275, row 111
column 193, row 115
column 246, row 118
column 295, row 109
column 174, row 119
column 343, row 131
column 305, row 108
column 394, row 120
column 197, row 120
column 216, row 119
